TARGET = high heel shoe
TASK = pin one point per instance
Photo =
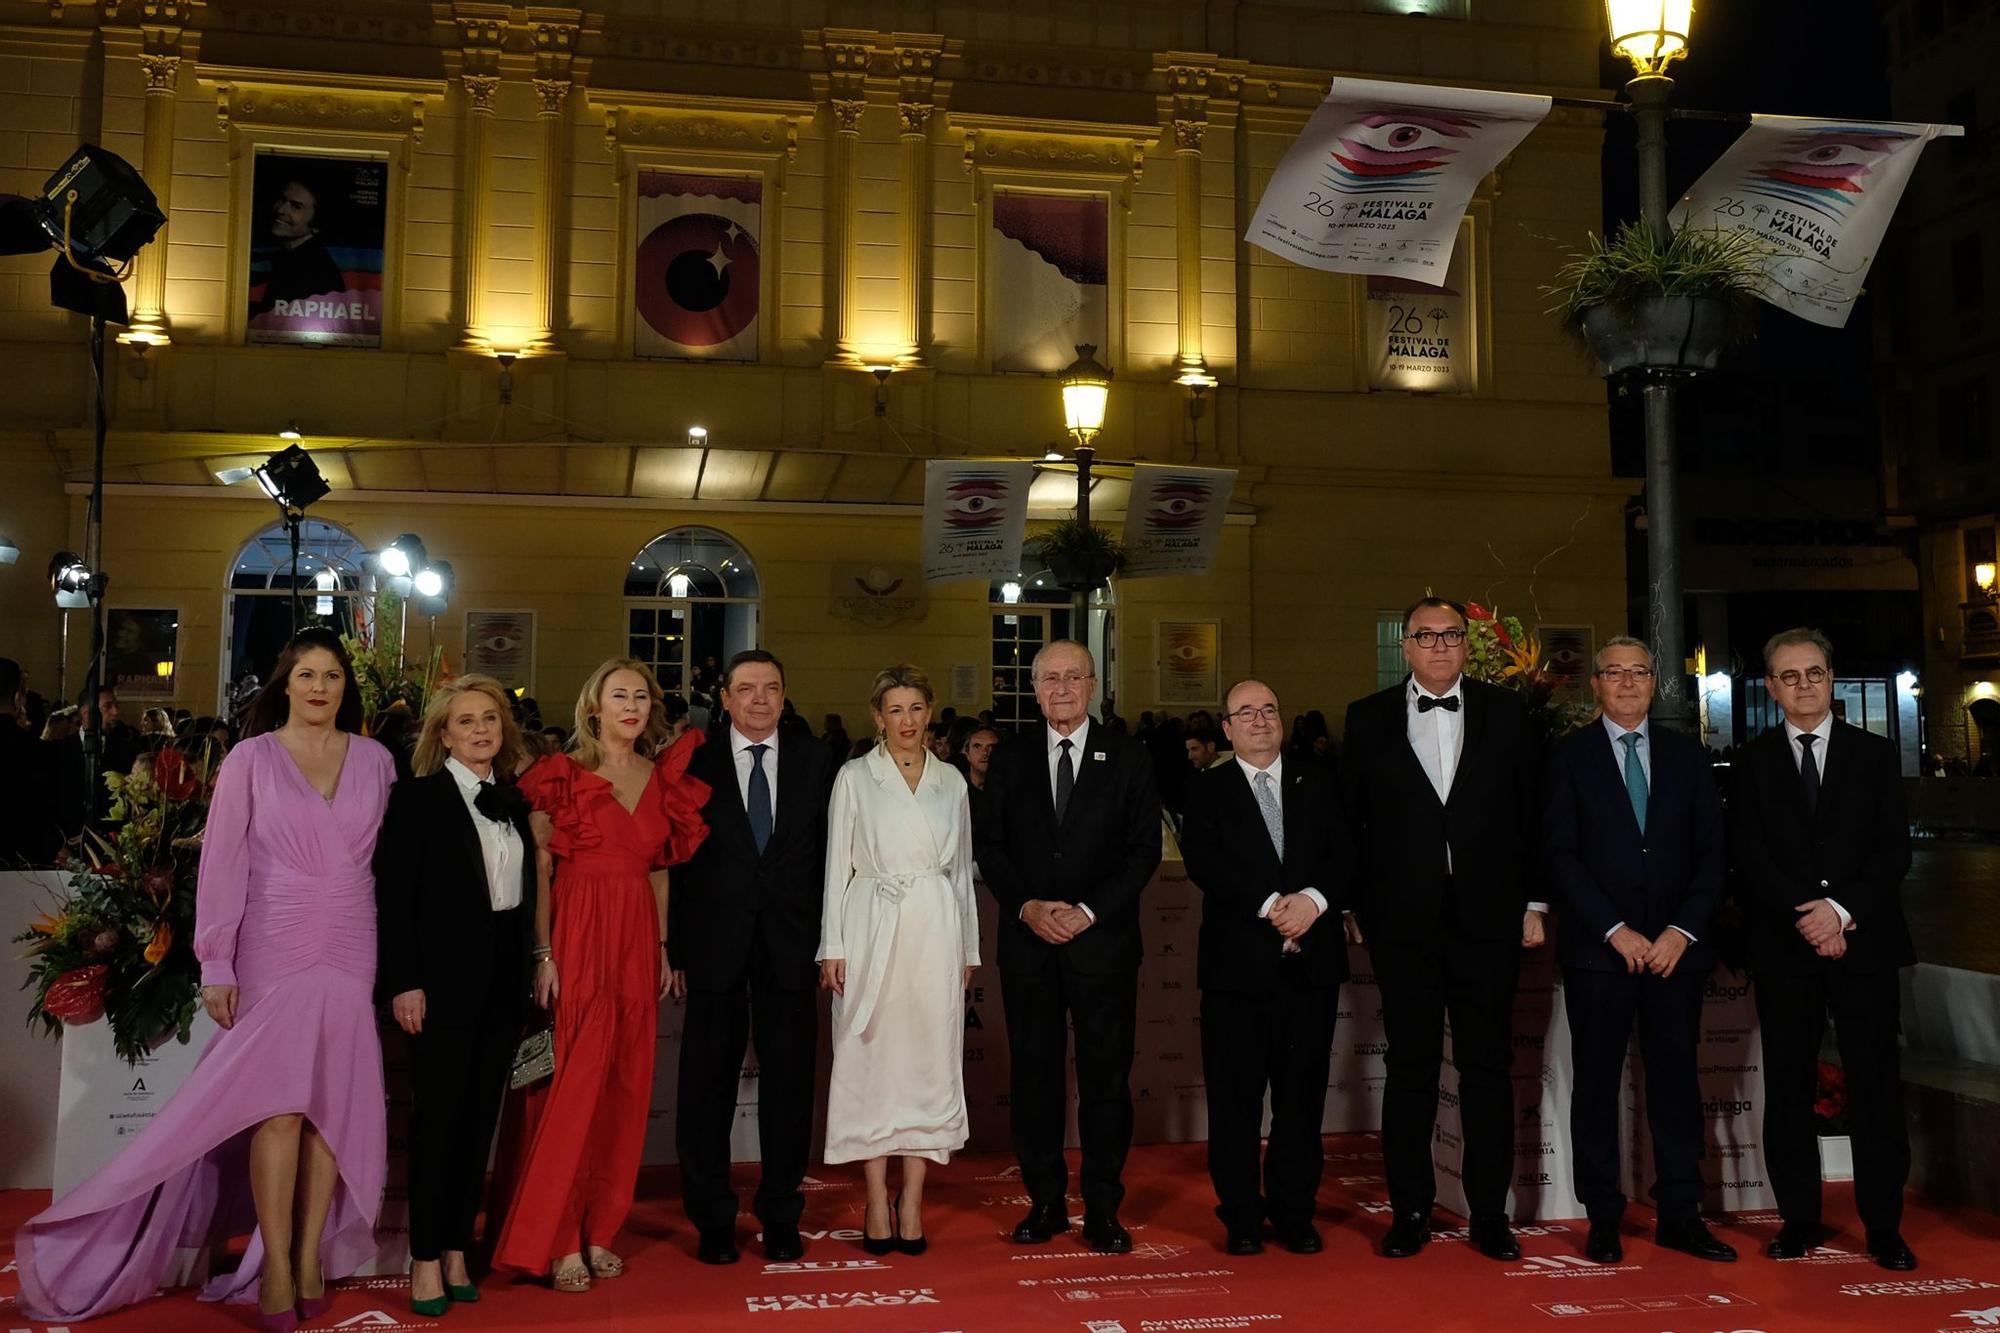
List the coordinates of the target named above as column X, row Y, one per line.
column 284, row 1321
column 431, row 1308
column 312, row 1307
column 905, row 1244
column 881, row 1245
column 465, row 1295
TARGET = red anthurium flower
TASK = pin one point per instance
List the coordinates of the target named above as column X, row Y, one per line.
column 174, row 776
column 1475, row 611
column 77, row 996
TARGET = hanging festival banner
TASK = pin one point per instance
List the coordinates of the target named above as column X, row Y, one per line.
column 1173, row 518
column 1380, row 176
column 1818, row 195
column 696, row 276
column 975, row 514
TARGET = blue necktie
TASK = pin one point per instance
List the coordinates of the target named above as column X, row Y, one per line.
column 1635, row 777
column 760, row 799
column 1274, row 818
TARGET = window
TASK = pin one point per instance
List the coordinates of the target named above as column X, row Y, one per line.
column 1390, row 666
column 332, row 580
column 1962, row 422
column 1968, row 274
column 692, row 599
column 1028, row 611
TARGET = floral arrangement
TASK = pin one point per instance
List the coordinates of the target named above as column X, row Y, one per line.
column 1500, row 650
column 119, row 941
column 1830, row 1105
column 386, row 681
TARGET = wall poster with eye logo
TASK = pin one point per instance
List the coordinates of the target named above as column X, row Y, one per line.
column 501, row 644
column 697, row 274
column 1419, row 337
column 1174, row 517
column 1189, row 653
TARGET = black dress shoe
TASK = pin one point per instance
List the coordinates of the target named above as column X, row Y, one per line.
column 1602, row 1246
column 1693, row 1237
column 783, row 1247
column 1795, row 1240
column 717, row 1247
column 1891, row 1253
column 1409, row 1233
column 1102, row 1233
column 1495, row 1240
column 1043, row 1221
column 1244, row 1241
column 1301, row 1239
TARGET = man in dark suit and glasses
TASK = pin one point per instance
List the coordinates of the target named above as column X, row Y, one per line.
column 1822, row 840
column 1070, row 838
column 1267, row 845
column 1633, row 837
column 744, row 931
column 1438, row 775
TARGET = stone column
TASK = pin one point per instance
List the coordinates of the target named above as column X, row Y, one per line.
column 161, row 62
column 1189, row 86
column 916, row 72
column 848, row 68
column 480, row 39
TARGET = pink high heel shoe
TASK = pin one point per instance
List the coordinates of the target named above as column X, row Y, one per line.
column 312, row 1307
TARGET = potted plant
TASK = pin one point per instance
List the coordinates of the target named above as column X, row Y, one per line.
column 1081, row 555
column 1639, row 302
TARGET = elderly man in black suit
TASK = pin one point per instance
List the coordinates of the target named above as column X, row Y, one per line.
column 1071, row 837
column 745, row 930
column 1438, row 775
column 1633, row 834
column 1267, row 846
column 1822, row 839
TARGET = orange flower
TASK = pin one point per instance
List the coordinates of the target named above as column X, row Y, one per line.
column 163, row 939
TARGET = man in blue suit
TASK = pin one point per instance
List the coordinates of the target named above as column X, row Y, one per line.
column 1634, row 838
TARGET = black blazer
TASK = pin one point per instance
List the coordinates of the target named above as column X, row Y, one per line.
column 1101, row 855
column 1602, row 870
column 1852, row 847
column 728, row 894
column 1491, row 822
column 435, row 921
column 1230, row 858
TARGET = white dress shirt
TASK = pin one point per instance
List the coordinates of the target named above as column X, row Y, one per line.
column 1277, row 772
column 1438, row 738
column 1077, row 756
column 1644, row 731
column 739, row 750
column 1825, row 733
column 499, row 842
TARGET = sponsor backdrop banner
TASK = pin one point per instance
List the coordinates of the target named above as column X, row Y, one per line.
column 975, row 514
column 1173, row 518
column 316, row 250
column 1380, row 176
column 1819, row 194
column 1050, row 255
column 696, row 277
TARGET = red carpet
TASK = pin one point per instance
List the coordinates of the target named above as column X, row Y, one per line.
column 1178, row 1278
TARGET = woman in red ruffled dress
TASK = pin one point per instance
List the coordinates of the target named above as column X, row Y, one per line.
column 611, row 815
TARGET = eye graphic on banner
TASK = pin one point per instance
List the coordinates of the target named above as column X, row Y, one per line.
column 1173, row 519
column 1826, row 170
column 1396, row 150
column 974, row 517
column 977, row 500
column 1181, row 502
column 697, row 270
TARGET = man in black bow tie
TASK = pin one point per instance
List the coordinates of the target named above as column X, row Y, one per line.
column 1438, row 776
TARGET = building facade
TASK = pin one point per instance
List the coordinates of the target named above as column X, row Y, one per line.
column 648, row 316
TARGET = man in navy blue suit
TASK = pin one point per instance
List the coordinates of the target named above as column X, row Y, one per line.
column 1634, row 839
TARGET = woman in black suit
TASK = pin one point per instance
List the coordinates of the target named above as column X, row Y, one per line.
column 455, row 890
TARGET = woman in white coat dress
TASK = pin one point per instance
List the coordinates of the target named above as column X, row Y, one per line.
column 899, row 938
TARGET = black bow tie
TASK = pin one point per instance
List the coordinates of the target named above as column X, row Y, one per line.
column 501, row 804
column 1425, row 703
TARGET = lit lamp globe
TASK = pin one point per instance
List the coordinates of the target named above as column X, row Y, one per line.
column 1649, row 33
column 1982, row 574
column 1086, row 385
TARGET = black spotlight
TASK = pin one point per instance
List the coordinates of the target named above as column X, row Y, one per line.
column 69, row 580
column 291, row 478
column 98, row 212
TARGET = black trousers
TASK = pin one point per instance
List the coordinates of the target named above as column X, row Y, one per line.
column 1103, row 1010
column 1473, row 980
column 1867, row 1016
column 458, row 1075
column 1602, row 1007
column 784, row 1025
column 1280, row 1039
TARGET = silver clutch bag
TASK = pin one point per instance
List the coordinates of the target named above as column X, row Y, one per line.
column 534, row 1058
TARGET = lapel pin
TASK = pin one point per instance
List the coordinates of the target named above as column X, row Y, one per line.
column 1097, row 756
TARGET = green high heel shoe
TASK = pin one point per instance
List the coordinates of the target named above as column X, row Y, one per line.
column 431, row 1308
column 466, row 1295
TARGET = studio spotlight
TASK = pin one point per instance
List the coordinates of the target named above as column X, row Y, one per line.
column 70, row 580
column 291, row 478
column 432, row 586
column 98, row 212
column 401, row 559
column 9, row 552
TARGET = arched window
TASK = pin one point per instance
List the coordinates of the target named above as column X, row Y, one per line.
column 1028, row 611
column 257, row 612
column 691, row 602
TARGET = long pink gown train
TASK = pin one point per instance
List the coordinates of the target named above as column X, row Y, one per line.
column 286, row 912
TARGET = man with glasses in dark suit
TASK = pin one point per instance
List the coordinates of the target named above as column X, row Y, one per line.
column 1438, row 777
column 1822, row 839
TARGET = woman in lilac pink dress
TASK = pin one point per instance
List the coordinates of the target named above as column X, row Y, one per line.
column 283, row 1113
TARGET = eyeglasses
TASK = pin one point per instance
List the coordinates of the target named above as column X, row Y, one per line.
column 1811, row 676
column 1071, row 678
column 1637, row 675
column 1246, row 715
column 1431, row 638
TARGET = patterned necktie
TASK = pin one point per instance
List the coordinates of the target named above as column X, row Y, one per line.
column 1635, row 777
column 1274, row 818
column 1808, row 770
column 760, row 799
column 1065, row 782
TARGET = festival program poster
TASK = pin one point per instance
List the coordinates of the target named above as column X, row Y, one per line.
column 1047, row 278
column 698, row 281
column 1818, row 195
column 1189, row 653
column 1380, row 176
column 1173, row 519
column 1420, row 337
column 140, row 652
column 501, row 644
column 975, row 514
column 317, row 237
